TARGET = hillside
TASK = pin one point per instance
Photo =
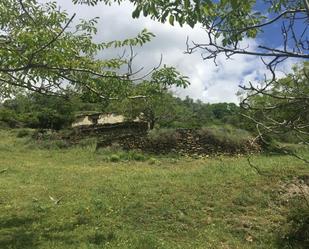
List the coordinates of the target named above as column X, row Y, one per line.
column 75, row 198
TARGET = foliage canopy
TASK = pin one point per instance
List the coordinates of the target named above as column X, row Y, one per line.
column 42, row 49
column 277, row 105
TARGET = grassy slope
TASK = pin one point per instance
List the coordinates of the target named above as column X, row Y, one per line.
column 205, row 203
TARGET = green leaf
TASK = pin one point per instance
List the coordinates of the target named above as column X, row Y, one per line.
column 171, row 20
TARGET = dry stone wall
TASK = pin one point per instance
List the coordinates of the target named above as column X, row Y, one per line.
column 184, row 141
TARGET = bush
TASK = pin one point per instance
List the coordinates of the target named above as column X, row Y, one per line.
column 44, row 134
column 114, row 158
column 152, row 161
column 163, row 137
column 60, row 144
column 23, row 133
column 4, row 125
column 52, row 144
column 47, row 139
column 88, row 142
column 136, row 156
column 9, row 118
column 295, row 233
column 216, row 139
column 29, row 120
column 230, row 139
column 115, row 154
column 38, row 111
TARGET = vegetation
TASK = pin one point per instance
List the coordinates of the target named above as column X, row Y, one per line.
column 55, row 193
column 204, row 141
column 283, row 109
column 228, row 22
column 39, row 111
column 228, row 25
column 57, row 60
column 43, row 51
column 77, row 199
column 226, row 136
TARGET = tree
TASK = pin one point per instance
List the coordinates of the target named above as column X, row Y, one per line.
column 159, row 104
column 227, row 24
column 283, row 109
column 42, row 50
column 35, row 110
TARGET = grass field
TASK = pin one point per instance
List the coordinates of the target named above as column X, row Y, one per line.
column 165, row 203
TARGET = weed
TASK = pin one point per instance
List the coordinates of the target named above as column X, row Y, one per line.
column 114, row 158
column 23, row 133
column 295, row 233
column 152, row 161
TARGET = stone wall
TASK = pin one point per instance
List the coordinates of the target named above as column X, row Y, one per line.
column 109, row 133
column 186, row 141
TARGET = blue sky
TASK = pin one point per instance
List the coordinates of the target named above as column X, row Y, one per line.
column 272, row 35
column 209, row 83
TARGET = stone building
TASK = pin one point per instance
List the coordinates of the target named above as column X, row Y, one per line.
column 85, row 120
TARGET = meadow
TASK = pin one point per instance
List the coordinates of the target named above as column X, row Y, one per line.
column 81, row 198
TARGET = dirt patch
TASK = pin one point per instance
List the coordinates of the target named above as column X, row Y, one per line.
column 298, row 186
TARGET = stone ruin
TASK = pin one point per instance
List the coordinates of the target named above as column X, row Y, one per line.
column 111, row 129
column 97, row 119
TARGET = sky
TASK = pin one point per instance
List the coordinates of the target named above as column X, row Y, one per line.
column 209, row 82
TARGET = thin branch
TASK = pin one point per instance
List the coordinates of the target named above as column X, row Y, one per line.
column 55, row 38
column 26, row 11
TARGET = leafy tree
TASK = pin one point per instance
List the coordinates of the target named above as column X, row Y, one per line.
column 227, row 24
column 283, row 109
column 156, row 103
column 41, row 50
column 39, row 111
column 161, row 108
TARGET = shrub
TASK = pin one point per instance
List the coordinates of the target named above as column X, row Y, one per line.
column 139, row 157
column 61, row 144
column 114, row 158
column 30, row 120
column 23, row 133
column 4, row 125
column 53, row 144
column 134, row 155
column 152, row 161
column 9, row 117
column 163, row 137
column 115, row 155
column 228, row 138
column 88, row 142
column 51, row 119
column 46, row 139
column 295, row 233
column 44, row 134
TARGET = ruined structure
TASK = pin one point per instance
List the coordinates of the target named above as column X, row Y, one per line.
column 111, row 129
column 94, row 119
column 109, row 126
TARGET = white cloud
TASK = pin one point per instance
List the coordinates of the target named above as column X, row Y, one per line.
column 209, row 83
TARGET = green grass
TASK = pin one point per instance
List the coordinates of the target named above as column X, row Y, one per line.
column 161, row 203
